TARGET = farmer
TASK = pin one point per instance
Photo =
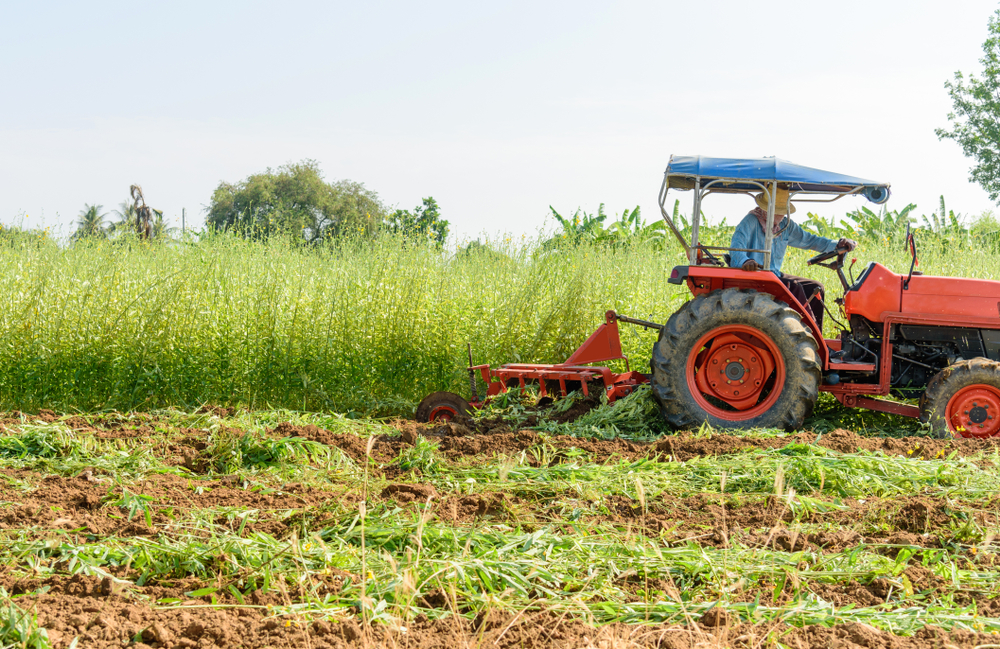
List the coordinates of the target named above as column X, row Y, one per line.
column 750, row 234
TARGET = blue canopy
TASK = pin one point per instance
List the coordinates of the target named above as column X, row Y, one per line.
column 682, row 170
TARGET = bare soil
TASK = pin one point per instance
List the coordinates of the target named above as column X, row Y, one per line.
column 719, row 521
column 84, row 504
column 91, row 610
column 103, row 612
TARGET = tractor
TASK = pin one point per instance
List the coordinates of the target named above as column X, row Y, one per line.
column 745, row 353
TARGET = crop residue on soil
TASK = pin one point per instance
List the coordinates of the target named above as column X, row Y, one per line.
column 185, row 530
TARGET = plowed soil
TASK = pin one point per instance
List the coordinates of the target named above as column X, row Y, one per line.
column 716, row 521
column 111, row 611
column 90, row 610
column 84, row 504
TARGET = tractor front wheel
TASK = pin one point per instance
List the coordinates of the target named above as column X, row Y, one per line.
column 963, row 400
column 736, row 358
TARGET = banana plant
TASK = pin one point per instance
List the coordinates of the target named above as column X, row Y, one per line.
column 945, row 222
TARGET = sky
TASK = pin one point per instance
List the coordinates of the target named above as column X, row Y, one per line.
column 497, row 110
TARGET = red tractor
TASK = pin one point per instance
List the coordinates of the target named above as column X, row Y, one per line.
column 745, row 353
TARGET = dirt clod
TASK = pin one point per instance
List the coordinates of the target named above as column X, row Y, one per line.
column 407, row 493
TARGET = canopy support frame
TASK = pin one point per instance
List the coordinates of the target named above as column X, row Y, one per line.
column 691, row 249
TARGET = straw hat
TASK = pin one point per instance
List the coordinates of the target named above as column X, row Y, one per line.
column 781, row 204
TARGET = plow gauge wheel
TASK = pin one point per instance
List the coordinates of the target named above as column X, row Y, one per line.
column 442, row 406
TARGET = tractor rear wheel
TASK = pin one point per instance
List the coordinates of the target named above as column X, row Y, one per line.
column 736, row 358
column 442, row 406
column 963, row 400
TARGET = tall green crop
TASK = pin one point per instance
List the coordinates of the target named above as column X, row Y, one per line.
column 368, row 326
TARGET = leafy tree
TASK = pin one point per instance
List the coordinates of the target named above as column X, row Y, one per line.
column 294, row 199
column 818, row 225
column 161, row 230
column 628, row 228
column 424, row 220
column 91, row 223
column 882, row 224
column 483, row 253
column 985, row 229
column 975, row 122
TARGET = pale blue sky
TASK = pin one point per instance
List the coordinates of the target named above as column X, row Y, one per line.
column 495, row 109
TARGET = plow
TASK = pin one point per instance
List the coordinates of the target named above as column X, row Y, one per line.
column 578, row 372
column 744, row 352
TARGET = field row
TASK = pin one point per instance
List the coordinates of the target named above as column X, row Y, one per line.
column 184, row 528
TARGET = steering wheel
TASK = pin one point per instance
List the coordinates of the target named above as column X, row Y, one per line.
column 836, row 252
column 837, row 265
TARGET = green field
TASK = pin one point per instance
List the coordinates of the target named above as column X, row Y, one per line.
column 225, row 459
column 365, row 327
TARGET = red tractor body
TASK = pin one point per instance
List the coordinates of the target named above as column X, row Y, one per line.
column 932, row 323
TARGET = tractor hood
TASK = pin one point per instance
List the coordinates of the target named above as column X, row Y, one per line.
column 957, row 296
column 879, row 292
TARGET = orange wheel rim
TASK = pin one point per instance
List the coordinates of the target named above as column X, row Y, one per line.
column 442, row 413
column 974, row 411
column 735, row 372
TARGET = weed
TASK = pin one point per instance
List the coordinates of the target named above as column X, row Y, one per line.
column 230, row 451
column 18, row 629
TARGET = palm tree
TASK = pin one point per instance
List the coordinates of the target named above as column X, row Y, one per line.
column 91, row 223
column 126, row 218
column 160, row 229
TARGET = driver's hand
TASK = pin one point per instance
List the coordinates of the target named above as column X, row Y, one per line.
column 847, row 244
column 750, row 264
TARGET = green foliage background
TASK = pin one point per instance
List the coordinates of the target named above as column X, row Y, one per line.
column 974, row 123
column 354, row 324
column 295, row 200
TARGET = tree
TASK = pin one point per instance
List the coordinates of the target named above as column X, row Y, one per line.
column 91, row 223
column 591, row 226
column 126, row 223
column 629, row 228
column 126, row 218
column 295, row 200
column 975, row 122
column 425, row 220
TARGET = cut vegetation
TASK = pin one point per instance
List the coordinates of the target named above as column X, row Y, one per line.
column 277, row 528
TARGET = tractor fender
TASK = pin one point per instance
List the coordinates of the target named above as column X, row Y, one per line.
column 705, row 279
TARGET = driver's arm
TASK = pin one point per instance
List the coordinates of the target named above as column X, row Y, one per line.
column 799, row 238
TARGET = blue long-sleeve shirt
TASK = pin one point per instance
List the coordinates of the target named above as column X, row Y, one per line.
column 749, row 234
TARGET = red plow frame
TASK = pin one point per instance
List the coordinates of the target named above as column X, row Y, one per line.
column 603, row 345
column 553, row 380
